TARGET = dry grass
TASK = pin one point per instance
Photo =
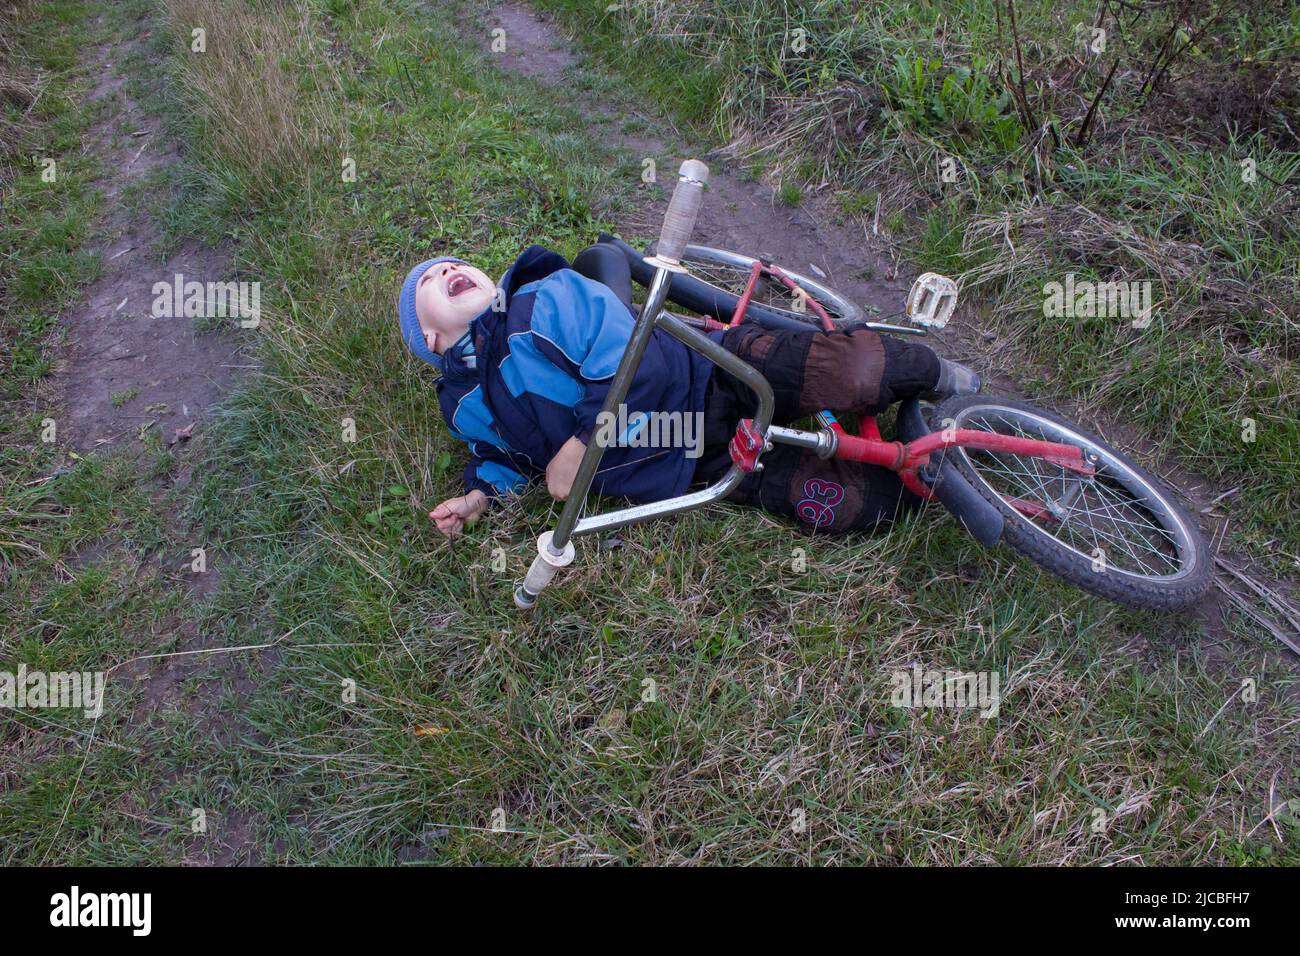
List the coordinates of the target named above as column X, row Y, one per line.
column 1035, row 239
column 256, row 89
column 20, row 90
column 1126, row 162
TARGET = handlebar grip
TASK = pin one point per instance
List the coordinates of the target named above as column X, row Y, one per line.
column 542, row 570
column 540, row 573
column 683, row 210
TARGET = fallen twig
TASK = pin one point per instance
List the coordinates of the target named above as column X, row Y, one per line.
column 1278, row 603
column 1254, row 613
column 1082, row 138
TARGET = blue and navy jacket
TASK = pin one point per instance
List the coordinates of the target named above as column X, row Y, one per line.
column 524, row 381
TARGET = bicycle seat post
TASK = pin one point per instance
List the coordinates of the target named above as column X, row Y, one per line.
column 554, row 549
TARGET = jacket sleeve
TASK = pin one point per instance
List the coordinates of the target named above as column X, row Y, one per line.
column 581, row 326
column 492, row 473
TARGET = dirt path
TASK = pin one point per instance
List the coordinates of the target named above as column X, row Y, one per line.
column 123, row 369
column 745, row 216
column 738, row 214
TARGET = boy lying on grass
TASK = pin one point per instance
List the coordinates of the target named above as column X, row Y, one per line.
column 526, row 366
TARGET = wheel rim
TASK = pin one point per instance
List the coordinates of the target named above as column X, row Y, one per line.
column 729, row 272
column 1116, row 518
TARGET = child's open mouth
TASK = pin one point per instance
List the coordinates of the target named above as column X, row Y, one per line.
column 459, row 283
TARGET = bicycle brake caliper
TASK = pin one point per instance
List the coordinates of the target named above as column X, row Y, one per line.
column 746, row 445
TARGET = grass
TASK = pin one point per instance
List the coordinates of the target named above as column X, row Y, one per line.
column 881, row 100
column 45, row 210
column 47, row 203
column 123, row 397
column 87, row 551
column 676, row 698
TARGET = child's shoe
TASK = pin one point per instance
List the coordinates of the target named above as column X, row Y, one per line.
column 954, row 379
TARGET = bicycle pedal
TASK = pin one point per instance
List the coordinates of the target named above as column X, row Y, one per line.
column 931, row 300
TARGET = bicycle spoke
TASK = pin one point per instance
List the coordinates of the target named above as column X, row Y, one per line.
column 1091, row 513
column 1139, row 529
column 768, row 292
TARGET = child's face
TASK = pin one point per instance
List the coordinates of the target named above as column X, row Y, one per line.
column 448, row 296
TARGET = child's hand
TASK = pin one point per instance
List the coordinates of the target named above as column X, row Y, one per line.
column 453, row 514
column 564, row 468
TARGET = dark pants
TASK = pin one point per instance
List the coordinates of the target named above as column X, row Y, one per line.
column 860, row 372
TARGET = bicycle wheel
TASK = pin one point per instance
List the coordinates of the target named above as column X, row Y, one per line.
column 723, row 275
column 1118, row 533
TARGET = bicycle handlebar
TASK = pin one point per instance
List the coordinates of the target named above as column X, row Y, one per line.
column 683, row 210
column 554, row 549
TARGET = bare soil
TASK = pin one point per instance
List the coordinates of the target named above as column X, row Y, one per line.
column 162, row 371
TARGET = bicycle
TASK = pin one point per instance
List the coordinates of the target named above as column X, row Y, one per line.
column 1006, row 470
